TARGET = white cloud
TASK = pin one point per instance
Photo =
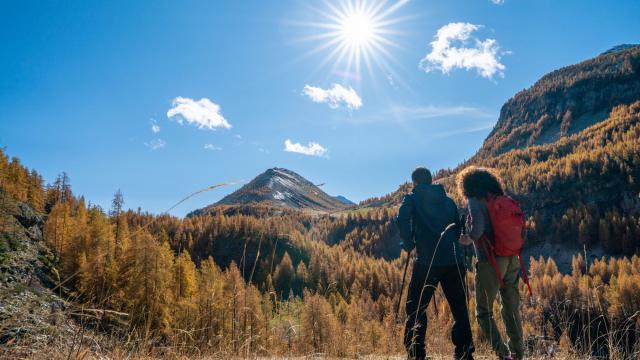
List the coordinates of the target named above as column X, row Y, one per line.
column 336, row 96
column 203, row 113
column 451, row 49
column 155, row 144
column 155, row 128
column 497, row 2
column 311, row 149
column 212, row 147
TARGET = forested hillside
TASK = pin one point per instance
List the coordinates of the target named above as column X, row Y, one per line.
column 582, row 189
column 245, row 282
column 579, row 187
column 566, row 101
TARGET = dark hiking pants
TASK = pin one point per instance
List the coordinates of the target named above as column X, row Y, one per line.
column 421, row 289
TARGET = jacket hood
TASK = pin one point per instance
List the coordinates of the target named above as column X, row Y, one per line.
column 430, row 192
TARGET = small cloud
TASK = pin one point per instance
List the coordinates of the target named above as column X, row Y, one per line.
column 390, row 80
column 335, row 97
column 263, row 150
column 203, row 113
column 311, row 149
column 155, row 144
column 155, row 128
column 239, row 140
column 451, row 50
column 212, row 147
column 497, row 2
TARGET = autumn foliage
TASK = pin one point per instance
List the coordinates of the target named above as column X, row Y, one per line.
column 252, row 280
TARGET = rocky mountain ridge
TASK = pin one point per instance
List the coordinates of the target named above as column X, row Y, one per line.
column 566, row 101
column 279, row 187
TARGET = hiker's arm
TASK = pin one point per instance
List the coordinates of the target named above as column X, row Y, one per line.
column 458, row 220
column 404, row 219
column 475, row 227
column 463, row 238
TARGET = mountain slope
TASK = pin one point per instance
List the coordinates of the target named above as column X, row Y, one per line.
column 34, row 318
column 586, row 93
column 583, row 189
column 344, row 200
column 620, row 47
column 280, row 187
column 566, row 101
column 579, row 186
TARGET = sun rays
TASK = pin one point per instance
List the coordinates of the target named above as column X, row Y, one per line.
column 354, row 35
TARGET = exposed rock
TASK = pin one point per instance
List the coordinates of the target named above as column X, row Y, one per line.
column 566, row 101
column 33, row 318
column 35, row 233
column 28, row 217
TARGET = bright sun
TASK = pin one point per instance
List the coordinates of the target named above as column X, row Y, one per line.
column 357, row 30
column 356, row 33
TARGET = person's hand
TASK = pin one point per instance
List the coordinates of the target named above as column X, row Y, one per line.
column 408, row 245
column 465, row 240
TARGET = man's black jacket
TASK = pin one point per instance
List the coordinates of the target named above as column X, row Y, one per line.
column 425, row 212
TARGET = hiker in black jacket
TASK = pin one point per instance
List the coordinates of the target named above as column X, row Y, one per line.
column 424, row 214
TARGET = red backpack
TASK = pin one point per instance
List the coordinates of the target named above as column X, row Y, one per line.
column 508, row 223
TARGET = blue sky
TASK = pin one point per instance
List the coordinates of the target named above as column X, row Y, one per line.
column 82, row 84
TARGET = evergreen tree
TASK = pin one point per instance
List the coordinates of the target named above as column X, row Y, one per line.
column 150, row 285
column 185, row 276
column 284, row 275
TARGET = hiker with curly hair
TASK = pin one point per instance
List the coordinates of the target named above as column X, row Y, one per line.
column 494, row 273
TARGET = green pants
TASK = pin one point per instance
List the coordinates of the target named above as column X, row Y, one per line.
column 487, row 287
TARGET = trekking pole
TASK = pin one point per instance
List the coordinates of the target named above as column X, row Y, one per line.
column 406, row 266
column 404, row 278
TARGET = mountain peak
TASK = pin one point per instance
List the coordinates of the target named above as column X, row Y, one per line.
column 280, row 187
column 344, row 200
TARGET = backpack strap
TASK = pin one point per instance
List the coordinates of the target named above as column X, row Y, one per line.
column 491, row 257
column 523, row 273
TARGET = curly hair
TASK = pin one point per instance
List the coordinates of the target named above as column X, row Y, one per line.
column 479, row 182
